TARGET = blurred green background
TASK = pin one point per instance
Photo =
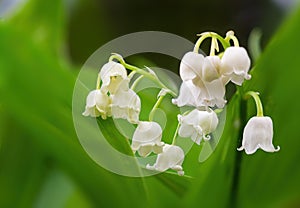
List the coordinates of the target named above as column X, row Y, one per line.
column 43, row 44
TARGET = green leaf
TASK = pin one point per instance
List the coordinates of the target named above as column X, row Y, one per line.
column 37, row 91
column 272, row 180
column 214, row 178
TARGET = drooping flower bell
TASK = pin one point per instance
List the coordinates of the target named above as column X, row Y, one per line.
column 97, row 104
column 258, row 132
column 235, row 64
column 112, row 74
column 147, row 138
column 171, row 158
column 126, row 103
column 201, row 77
column 198, row 124
column 188, row 95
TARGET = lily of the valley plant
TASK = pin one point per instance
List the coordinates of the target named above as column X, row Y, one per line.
column 203, row 89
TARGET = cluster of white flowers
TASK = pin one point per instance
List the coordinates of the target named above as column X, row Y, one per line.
column 113, row 98
column 203, row 88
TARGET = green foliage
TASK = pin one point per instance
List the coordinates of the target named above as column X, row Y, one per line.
column 42, row 163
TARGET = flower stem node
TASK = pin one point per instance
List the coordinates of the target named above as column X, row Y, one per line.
column 198, row 124
column 171, row 158
column 258, row 133
column 147, row 138
column 97, row 104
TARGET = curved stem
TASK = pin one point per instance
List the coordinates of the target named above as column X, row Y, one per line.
column 134, row 84
column 131, row 74
column 175, row 133
column 151, row 114
column 178, row 125
column 213, row 46
column 98, row 82
column 142, row 72
column 258, row 103
column 205, row 35
column 230, row 36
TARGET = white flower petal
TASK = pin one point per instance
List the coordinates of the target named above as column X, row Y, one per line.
column 112, row 74
column 210, row 68
column 258, row 133
column 171, row 158
column 235, row 64
column 197, row 124
column 202, row 84
column 212, row 94
column 126, row 105
column 191, row 66
column 97, row 104
column 188, row 95
column 147, row 138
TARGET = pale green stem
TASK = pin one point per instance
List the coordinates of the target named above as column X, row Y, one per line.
column 134, row 84
column 178, row 125
column 142, row 72
column 205, row 35
column 199, row 41
column 158, row 102
column 258, row 103
column 230, row 36
column 131, row 74
column 175, row 134
column 98, row 82
column 213, row 46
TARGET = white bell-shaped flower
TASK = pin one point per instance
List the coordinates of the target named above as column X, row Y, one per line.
column 258, row 133
column 195, row 65
column 171, row 158
column 198, row 124
column 235, row 64
column 97, row 104
column 191, row 66
column 202, row 83
column 147, row 138
column 112, row 74
column 188, row 94
column 126, row 104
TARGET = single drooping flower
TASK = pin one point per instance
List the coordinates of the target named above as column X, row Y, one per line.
column 112, row 74
column 235, row 65
column 171, row 158
column 126, row 104
column 97, row 104
column 147, row 138
column 202, row 80
column 258, row 133
column 191, row 66
column 188, row 94
column 198, row 124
